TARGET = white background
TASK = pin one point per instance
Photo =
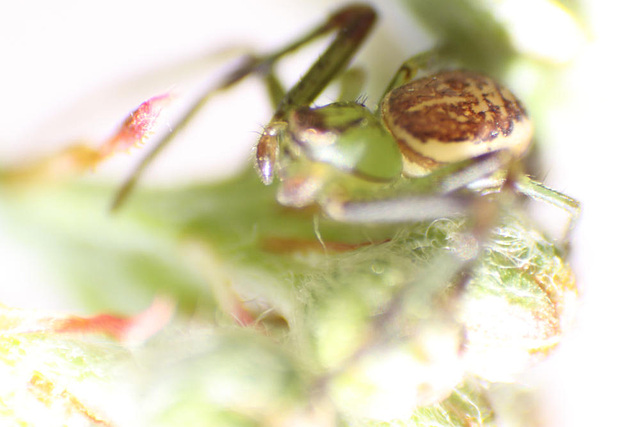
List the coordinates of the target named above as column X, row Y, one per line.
column 71, row 68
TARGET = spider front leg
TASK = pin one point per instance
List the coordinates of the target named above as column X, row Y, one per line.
column 353, row 24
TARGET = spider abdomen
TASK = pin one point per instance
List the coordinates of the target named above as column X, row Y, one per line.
column 452, row 116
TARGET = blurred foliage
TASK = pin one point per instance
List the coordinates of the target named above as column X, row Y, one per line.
column 330, row 307
column 467, row 30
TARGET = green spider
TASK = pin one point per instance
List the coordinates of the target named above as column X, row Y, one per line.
column 414, row 158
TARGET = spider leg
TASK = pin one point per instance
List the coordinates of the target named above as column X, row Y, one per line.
column 538, row 191
column 399, row 209
column 428, row 62
column 419, row 199
column 274, row 88
column 517, row 181
column 352, row 24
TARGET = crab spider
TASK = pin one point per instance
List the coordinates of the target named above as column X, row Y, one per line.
column 413, row 158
